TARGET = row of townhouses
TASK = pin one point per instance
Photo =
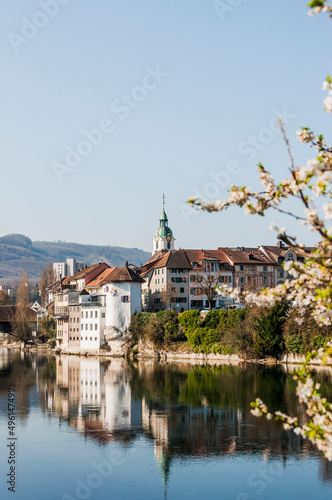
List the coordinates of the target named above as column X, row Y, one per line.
column 183, row 279
column 95, row 304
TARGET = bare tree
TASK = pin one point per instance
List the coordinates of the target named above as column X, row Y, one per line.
column 5, row 299
column 167, row 295
column 207, row 284
column 20, row 322
column 46, row 279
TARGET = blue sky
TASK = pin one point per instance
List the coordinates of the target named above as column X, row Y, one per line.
column 199, row 87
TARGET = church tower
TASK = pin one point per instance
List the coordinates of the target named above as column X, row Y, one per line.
column 163, row 239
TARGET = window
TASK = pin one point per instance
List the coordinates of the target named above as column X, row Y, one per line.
column 126, row 298
column 81, row 327
column 265, row 279
column 226, row 266
column 96, row 326
column 181, row 290
column 86, row 314
column 241, row 267
column 95, row 338
column 103, row 315
column 264, row 269
column 91, row 326
column 82, row 314
column 168, row 246
column 86, row 327
column 178, row 280
column 96, row 314
column 91, row 339
column 162, row 280
column 280, row 273
column 290, row 256
column 241, row 280
column 91, row 314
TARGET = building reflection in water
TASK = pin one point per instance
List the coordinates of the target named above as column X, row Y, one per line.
column 188, row 412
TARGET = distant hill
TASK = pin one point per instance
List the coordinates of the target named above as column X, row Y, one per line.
column 18, row 254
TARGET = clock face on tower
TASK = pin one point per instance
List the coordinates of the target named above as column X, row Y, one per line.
column 169, row 238
column 156, row 238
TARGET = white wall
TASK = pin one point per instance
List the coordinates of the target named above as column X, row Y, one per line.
column 92, row 337
column 118, row 313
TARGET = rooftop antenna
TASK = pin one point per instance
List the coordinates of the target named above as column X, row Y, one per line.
column 164, row 198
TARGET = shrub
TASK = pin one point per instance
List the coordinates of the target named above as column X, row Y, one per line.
column 302, row 334
column 268, row 331
column 214, row 318
column 190, row 319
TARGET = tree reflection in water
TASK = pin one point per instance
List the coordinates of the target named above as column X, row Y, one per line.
column 187, row 411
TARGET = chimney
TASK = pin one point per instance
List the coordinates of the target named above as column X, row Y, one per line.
column 280, row 244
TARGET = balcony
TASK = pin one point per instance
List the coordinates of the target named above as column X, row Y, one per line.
column 93, row 304
column 60, row 312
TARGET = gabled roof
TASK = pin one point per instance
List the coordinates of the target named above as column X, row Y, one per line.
column 60, row 284
column 174, row 259
column 157, row 255
column 100, row 278
column 83, row 272
column 203, row 255
column 246, row 256
column 122, row 274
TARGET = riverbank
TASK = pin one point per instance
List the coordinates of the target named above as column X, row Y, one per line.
column 176, row 353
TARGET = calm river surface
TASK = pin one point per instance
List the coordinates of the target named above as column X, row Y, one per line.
column 87, row 429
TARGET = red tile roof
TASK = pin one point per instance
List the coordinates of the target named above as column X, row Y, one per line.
column 100, row 278
column 122, row 274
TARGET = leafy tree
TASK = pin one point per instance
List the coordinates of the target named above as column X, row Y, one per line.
column 48, row 327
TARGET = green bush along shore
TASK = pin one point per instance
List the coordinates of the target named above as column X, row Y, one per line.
column 250, row 332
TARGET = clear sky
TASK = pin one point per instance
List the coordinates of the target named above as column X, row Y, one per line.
column 176, row 89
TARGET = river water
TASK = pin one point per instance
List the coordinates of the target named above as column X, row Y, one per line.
column 88, row 429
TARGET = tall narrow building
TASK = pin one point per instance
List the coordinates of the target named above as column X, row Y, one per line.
column 163, row 239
